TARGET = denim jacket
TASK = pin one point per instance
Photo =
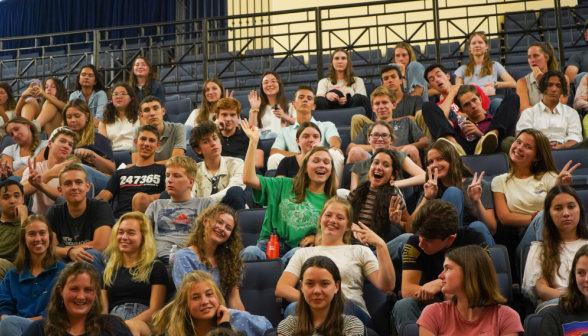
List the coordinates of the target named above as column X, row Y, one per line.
column 25, row 295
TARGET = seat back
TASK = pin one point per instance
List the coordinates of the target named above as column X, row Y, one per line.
column 179, row 106
column 346, row 182
column 499, row 256
column 576, row 155
column 491, row 164
column 271, row 332
column 339, row 117
column 6, row 141
column 250, row 223
column 266, row 146
column 122, row 156
column 377, row 305
column 533, row 324
column 271, row 173
column 523, row 260
column 409, row 329
column 259, row 287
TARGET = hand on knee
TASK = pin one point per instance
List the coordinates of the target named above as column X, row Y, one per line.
column 141, row 202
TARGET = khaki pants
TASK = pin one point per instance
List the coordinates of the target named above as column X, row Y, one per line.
column 358, row 122
column 5, row 265
column 420, row 121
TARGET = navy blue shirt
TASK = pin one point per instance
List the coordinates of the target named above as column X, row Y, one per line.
column 118, row 327
column 25, row 295
column 101, row 146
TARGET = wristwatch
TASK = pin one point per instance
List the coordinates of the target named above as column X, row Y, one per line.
column 495, row 84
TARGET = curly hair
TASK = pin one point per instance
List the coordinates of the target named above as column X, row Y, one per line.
column 349, row 74
column 131, row 112
column 98, row 85
column 57, row 321
column 226, row 255
column 381, row 224
column 552, row 240
column 201, row 130
column 34, row 131
column 133, row 78
column 10, row 102
column 544, row 81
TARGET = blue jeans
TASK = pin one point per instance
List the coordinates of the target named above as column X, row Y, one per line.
column 455, row 197
column 97, row 178
column 188, row 131
column 407, row 310
column 98, row 262
column 259, row 251
column 13, row 325
column 350, row 309
column 128, row 311
column 534, row 233
column 578, row 79
column 493, row 107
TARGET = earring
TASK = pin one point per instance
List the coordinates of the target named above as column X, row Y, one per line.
column 535, row 164
column 367, row 177
column 392, row 182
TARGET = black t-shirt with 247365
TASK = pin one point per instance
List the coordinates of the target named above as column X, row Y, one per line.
column 75, row 231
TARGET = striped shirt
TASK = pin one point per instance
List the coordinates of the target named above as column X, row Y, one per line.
column 351, row 326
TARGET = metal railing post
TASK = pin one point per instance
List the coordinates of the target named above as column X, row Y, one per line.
column 319, row 43
column 205, row 49
column 557, row 5
column 436, row 30
column 96, row 47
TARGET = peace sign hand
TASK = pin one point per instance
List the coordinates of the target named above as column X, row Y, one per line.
column 565, row 176
column 227, row 95
column 430, row 186
column 34, row 175
column 395, row 211
column 475, row 189
column 6, row 170
column 366, row 236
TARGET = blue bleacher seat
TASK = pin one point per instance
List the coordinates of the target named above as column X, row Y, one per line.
column 250, row 223
column 190, row 153
column 122, row 156
column 576, row 155
column 176, row 107
column 346, row 180
column 499, row 256
column 6, row 141
column 409, row 329
column 271, row 173
column 259, row 286
column 376, row 302
column 491, row 164
column 533, row 324
column 340, row 117
column 266, row 145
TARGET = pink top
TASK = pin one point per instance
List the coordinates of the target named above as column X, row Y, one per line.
column 444, row 319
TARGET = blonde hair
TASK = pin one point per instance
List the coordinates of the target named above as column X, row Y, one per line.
column 383, row 91
column 348, row 212
column 141, row 270
column 182, row 161
column 409, row 50
column 86, row 135
column 175, row 318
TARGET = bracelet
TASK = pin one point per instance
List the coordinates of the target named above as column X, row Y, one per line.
column 253, row 110
column 425, row 197
column 67, row 254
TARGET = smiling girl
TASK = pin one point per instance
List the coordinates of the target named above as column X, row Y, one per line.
column 121, row 117
column 321, row 303
column 143, row 82
column 15, row 157
column 24, row 292
column 549, row 261
column 214, row 248
column 308, row 136
column 293, row 205
column 213, row 90
column 356, row 262
column 135, row 283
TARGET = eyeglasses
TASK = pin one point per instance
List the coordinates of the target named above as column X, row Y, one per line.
column 214, row 180
column 120, row 94
column 383, row 135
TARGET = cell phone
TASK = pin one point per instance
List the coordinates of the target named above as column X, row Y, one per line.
column 36, row 82
column 275, row 107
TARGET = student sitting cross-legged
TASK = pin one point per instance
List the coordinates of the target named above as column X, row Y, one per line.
column 81, row 225
column 142, row 183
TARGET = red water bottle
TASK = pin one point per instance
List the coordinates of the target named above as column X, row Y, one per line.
column 273, row 246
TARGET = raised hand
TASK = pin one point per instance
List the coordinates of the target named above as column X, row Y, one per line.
column 430, row 186
column 475, row 188
column 6, row 170
column 254, row 100
column 565, row 176
column 34, row 175
column 395, row 211
column 367, row 236
column 227, row 95
column 251, row 131
column 222, row 314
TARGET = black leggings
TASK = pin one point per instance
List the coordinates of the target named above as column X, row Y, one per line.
column 322, row 103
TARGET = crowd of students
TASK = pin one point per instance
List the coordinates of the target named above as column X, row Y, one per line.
column 85, row 246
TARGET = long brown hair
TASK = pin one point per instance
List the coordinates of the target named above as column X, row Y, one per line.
column 86, row 135
column 301, row 180
column 60, row 90
column 23, row 256
column 480, row 283
column 486, row 64
column 552, row 241
column 227, row 257
column 206, row 109
column 57, row 321
column 333, row 323
column 10, row 102
column 544, row 164
column 175, row 318
column 133, row 78
column 280, row 98
column 131, row 112
column 573, row 300
column 34, row 131
column 457, row 171
column 548, row 51
column 349, row 74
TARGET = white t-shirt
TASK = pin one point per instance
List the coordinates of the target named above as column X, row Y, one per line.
column 121, row 133
column 533, row 268
column 192, row 118
column 325, row 85
column 41, row 202
column 524, row 196
column 19, row 162
column 272, row 123
column 497, row 70
column 355, row 262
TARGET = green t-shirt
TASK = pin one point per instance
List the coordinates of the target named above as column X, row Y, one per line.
column 293, row 221
column 9, row 234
